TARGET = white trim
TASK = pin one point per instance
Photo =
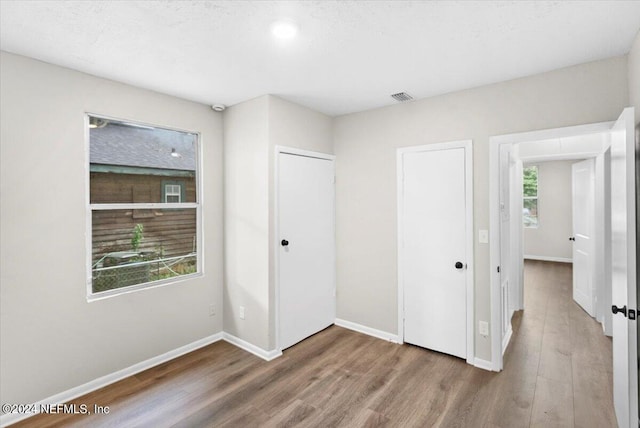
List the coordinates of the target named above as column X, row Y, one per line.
column 144, row 205
column 276, row 227
column 367, row 330
column 552, row 133
column 507, row 338
column 548, row 258
column 101, row 382
column 467, row 145
column 198, row 206
column 251, row 348
column 494, row 214
column 306, row 153
column 483, row 364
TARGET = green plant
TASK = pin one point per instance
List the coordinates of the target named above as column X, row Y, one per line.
column 137, row 237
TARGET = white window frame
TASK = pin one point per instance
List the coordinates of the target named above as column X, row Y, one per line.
column 91, row 296
column 168, row 193
column 536, row 197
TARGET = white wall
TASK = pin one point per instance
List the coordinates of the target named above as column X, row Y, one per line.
column 365, row 145
column 246, row 221
column 555, row 219
column 252, row 130
column 634, row 76
column 52, row 338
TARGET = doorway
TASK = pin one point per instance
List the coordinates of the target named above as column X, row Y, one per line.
column 618, row 153
column 533, row 148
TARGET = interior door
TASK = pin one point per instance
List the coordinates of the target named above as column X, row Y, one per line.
column 434, row 238
column 505, row 242
column 623, row 271
column 306, row 262
column 583, row 206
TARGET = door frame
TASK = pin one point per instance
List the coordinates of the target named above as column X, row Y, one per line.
column 469, row 275
column 275, row 243
column 494, row 215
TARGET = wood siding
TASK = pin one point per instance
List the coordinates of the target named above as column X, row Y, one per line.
column 172, row 231
column 127, row 188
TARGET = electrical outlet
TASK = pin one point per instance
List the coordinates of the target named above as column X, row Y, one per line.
column 212, row 310
column 241, row 315
column 483, row 328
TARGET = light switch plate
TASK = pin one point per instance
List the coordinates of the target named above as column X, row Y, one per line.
column 483, row 236
column 483, row 328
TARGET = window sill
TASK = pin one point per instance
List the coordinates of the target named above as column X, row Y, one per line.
column 92, row 297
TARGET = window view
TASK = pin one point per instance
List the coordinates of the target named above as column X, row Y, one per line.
column 143, row 202
column 530, row 196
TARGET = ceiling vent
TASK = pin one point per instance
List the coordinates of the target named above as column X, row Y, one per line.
column 402, row 97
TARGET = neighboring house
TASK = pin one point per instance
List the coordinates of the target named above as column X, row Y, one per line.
column 136, row 164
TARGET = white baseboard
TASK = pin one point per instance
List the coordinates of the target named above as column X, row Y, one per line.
column 483, row 364
column 367, row 330
column 101, row 382
column 506, row 339
column 549, row 259
column 249, row 347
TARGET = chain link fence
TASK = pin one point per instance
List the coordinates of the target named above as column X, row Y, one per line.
column 123, row 269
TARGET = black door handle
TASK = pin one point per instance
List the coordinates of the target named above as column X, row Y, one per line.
column 572, row 238
column 284, row 242
column 459, row 265
column 622, row 310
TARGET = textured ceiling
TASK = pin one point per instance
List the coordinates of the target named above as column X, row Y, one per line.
column 349, row 56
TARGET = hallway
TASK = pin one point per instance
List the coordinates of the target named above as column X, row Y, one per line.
column 559, row 353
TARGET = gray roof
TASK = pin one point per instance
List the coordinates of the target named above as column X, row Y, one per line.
column 137, row 146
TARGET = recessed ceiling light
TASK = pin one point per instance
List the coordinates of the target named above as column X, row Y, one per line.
column 284, row 29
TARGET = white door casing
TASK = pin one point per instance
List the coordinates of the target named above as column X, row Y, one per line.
column 623, row 272
column 434, row 233
column 305, row 235
column 583, row 208
column 495, row 144
column 507, row 275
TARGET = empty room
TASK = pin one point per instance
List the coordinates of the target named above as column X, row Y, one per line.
column 232, row 213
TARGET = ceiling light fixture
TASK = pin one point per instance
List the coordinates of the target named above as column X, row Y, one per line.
column 284, row 29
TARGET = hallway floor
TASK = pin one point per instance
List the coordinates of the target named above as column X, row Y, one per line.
column 559, row 354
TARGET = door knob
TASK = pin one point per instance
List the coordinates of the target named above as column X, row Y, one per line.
column 459, row 265
column 622, row 310
column 284, row 242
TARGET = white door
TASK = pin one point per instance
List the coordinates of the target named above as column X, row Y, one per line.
column 306, row 245
column 583, row 205
column 506, row 250
column 623, row 272
column 434, row 248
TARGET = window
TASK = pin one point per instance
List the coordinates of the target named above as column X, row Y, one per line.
column 143, row 205
column 172, row 192
column 530, row 196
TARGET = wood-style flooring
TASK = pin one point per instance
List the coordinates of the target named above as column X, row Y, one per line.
column 557, row 374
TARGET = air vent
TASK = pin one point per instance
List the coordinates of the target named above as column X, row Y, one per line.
column 402, row 97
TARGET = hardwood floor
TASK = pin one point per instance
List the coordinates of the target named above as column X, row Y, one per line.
column 557, row 373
